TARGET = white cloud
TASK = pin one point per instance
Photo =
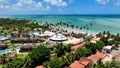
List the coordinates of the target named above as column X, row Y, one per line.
column 27, row 4
column 3, row 4
column 117, row 2
column 48, row 7
column 71, row 1
column 58, row 3
column 103, row 2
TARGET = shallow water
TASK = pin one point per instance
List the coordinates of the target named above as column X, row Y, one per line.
column 100, row 22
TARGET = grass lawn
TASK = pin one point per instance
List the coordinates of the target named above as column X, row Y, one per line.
column 21, row 55
column 0, row 66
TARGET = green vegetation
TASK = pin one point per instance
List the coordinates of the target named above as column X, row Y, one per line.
column 112, row 64
column 68, row 59
column 82, row 52
column 61, row 55
column 16, row 63
column 19, row 25
column 54, row 63
column 22, row 55
column 95, row 46
column 39, row 55
column 3, row 60
column 61, row 49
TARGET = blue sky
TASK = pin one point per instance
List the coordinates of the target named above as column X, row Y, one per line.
column 23, row 7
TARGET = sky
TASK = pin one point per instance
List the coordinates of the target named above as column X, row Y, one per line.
column 25, row 7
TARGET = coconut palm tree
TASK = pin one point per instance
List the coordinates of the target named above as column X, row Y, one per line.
column 76, row 26
column 72, row 26
column 69, row 58
column 91, row 24
column 3, row 59
column 81, row 28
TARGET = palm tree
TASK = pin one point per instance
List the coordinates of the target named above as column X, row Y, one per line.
column 81, row 28
column 12, row 47
column 91, row 24
column 67, row 25
column 69, row 58
column 87, row 28
column 3, row 59
column 76, row 26
column 72, row 26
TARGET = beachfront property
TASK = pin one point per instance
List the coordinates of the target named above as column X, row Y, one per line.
column 73, row 48
column 59, row 33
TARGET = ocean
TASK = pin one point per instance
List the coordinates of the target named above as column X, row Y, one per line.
column 99, row 22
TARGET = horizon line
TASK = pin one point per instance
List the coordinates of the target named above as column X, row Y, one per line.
column 55, row 14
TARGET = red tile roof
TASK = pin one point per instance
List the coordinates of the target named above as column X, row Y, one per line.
column 94, row 58
column 39, row 66
column 76, row 46
column 85, row 61
column 117, row 58
column 82, row 63
column 76, row 64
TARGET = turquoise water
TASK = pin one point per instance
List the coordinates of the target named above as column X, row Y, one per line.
column 31, row 33
column 100, row 22
column 7, row 51
column 2, row 37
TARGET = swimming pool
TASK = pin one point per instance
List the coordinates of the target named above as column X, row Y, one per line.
column 2, row 37
column 32, row 32
column 7, row 51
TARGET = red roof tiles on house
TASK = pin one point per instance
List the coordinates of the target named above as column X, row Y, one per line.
column 76, row 64
column 96, row 57
column 82, row 63
column 39, row 66
column 117, row 58
column 76, row 46
column 85, row 61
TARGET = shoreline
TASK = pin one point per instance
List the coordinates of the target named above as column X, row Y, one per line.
column 69, row 30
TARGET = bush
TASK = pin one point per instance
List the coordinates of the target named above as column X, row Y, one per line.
column 54, row 63
column 16, row 63
column 39, row 55
column 61, row 49
column 82, row 52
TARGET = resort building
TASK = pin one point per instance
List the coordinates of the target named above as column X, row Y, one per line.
column 74, row 41
column 96, row 57
column 107, row 58
column 25, row 40
column 74, row 47
column 2, row 46
column 39, row 66
column 58, row 38
column 85, row 62
column 107, row 48
column 117, row 58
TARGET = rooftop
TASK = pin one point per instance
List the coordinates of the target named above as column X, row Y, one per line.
column 109, row 47
column 76, row 46
column 85, row 61
column 39, row 66
column 76, row 64
column 94, row 58
column 73, row 41
column 117, row 58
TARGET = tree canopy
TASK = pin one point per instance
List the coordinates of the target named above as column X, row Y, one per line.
column 54, row 63
column 82, row 52
column 39, row 54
